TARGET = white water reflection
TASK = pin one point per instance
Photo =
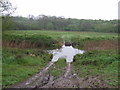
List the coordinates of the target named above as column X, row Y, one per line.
column 67, row 52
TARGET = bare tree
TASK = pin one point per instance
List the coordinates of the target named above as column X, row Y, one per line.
column 6, row 8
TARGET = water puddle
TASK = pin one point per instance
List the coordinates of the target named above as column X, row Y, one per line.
column 67, row 52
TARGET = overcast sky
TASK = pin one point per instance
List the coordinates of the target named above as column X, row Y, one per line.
column 81, row 9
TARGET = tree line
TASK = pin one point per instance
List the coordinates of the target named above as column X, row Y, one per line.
column 43, row 22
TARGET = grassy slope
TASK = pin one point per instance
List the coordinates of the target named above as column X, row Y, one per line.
column 94, row 62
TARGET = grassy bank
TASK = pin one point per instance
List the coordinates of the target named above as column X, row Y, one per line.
column 102, row 64
column 23, row 54
column 51, row 39
column 19, row 64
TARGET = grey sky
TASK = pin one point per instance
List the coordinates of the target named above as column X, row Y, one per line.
column 81, row 9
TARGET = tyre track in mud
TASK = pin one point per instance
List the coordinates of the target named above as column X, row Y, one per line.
column 32, row 81
column 68, row 80
column 43, row 80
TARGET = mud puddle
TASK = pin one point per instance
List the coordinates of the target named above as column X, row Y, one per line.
column 67, row 52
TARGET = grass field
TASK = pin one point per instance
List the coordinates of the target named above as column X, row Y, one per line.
column 23, row 54
column 60, row 35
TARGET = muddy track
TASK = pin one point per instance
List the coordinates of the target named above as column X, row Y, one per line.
column 68, row 80
column 43, row 80
column 33, row 81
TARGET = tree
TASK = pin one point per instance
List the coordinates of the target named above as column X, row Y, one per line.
column 31, row 17
column 50, row 26
column 6, row 8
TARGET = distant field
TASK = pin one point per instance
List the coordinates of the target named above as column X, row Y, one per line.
column 64, row 34
column 52, row 39
column 100, row 59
